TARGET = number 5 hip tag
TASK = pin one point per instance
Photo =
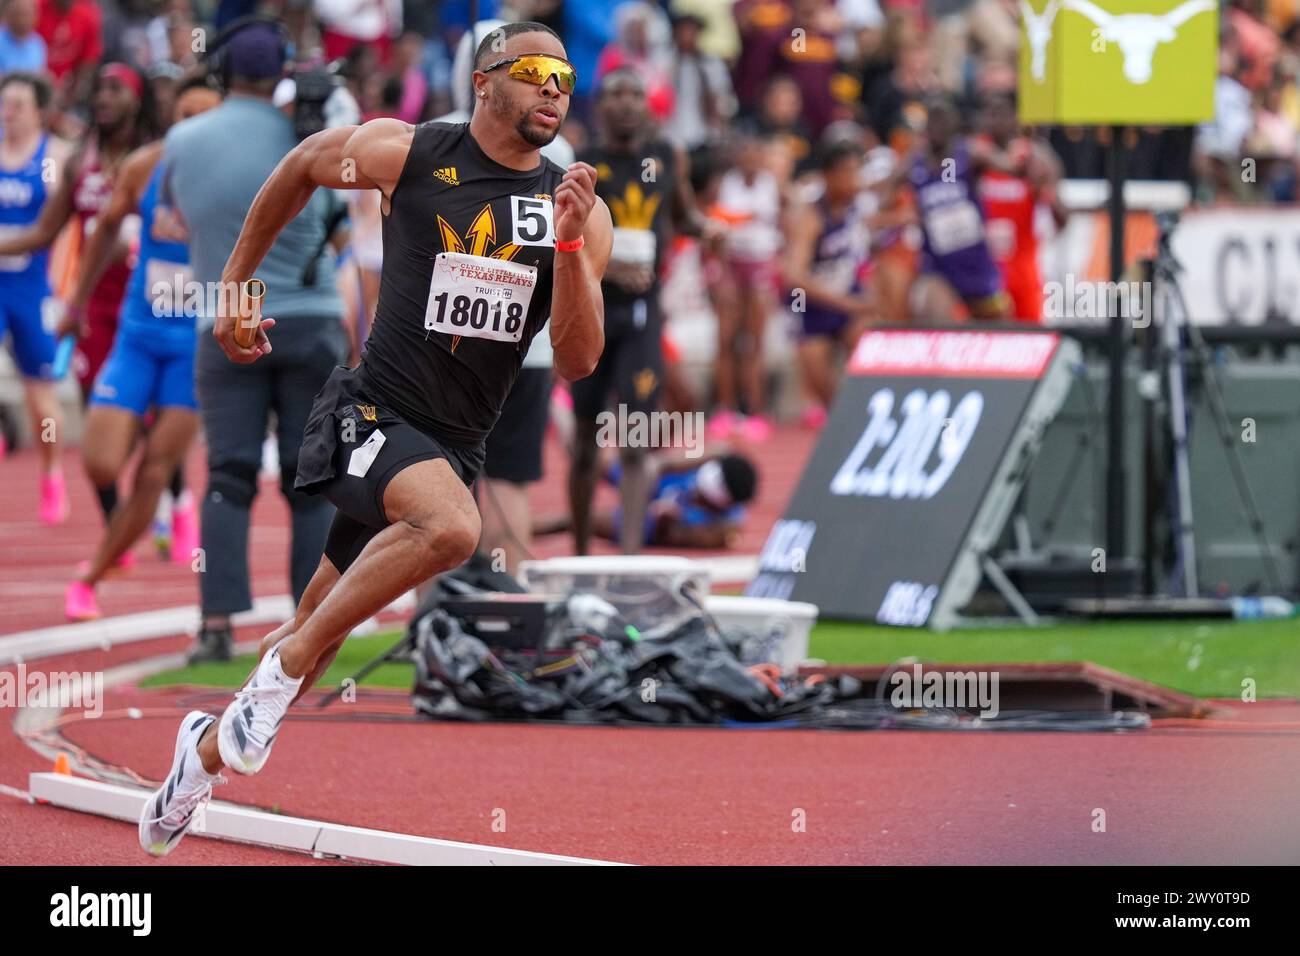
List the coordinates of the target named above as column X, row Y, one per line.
column 531, row 219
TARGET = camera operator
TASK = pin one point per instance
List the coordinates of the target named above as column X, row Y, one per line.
column 214, row 166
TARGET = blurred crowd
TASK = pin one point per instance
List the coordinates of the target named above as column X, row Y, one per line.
column 794, row 66
column 856, row 162
column 797, row 73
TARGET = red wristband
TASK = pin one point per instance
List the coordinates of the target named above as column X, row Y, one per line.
column 570, row 245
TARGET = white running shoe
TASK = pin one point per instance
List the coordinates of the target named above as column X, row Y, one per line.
column 170, row 810
column 251, row 721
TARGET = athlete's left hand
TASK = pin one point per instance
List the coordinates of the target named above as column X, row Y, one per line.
column 574, row 199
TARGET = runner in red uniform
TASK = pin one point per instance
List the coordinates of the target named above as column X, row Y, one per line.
column 117, row 101
column 90, row 192
column 118, row 129
column 1010, row 203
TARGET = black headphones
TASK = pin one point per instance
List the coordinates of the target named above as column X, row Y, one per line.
column 219, row 57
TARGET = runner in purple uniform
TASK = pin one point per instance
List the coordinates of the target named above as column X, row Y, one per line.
column 956, row 265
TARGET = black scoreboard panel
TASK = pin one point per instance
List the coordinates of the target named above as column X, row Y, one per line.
column 914, row 474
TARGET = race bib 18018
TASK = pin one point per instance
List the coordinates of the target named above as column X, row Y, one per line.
column 479, row 297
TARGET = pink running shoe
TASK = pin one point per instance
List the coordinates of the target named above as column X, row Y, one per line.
column 756, row 429
column 54, row 499
column 185, row 531
column 79, row 602
column 721, row 425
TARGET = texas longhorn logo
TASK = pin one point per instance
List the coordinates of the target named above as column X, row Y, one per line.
column 480, row 235
column 1038, row 28
column 1137, row 34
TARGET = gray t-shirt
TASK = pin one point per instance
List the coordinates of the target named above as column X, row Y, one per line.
column 214, row 164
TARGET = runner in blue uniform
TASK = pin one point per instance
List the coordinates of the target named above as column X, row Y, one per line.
column 151, row 365
column 30, row 161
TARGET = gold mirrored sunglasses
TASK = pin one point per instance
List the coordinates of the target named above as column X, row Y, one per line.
column 538, row 68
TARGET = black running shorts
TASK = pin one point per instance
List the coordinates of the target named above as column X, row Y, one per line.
column 352, row 448
column 631, row 368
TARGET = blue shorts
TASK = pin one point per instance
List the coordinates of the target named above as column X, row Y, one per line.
column 20, row 316
column 145, row 370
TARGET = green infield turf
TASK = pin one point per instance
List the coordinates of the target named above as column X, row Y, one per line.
column 1208, row 658
column 355, row 654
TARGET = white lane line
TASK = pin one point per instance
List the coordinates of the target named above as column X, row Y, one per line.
column 15, row 792
column 226, row 821
column 125, row 629
column 147, row 625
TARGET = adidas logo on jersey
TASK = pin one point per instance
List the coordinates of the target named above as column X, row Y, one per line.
column 448, row 175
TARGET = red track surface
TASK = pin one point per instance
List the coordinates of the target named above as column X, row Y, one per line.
column 1220, row 794
column 36, row 563
column 728, row 796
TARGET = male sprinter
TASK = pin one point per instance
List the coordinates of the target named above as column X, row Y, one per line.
column 483, row 240
column 956, row 264
column 1011, row 205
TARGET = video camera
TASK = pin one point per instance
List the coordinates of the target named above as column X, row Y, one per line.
column 313, row 88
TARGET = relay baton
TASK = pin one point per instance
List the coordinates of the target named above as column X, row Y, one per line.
column 250, row 312
column 63, row 357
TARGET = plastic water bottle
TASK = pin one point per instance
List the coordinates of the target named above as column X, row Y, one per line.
column 1268, row 607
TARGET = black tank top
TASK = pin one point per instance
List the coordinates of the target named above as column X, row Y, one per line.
column 466, row 283
column 638, row 188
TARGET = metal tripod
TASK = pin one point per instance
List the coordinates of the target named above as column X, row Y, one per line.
column 1181, row 339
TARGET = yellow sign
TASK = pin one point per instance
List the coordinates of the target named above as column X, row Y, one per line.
column 1118, row 62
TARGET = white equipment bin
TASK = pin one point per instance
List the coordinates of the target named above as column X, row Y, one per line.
column 648, row 591
column 652, row 592
column 792, row 620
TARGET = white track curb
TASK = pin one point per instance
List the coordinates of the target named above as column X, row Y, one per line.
column 225, row 821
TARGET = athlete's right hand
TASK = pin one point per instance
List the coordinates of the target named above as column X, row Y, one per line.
column 73, row 321
column 224, row 332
